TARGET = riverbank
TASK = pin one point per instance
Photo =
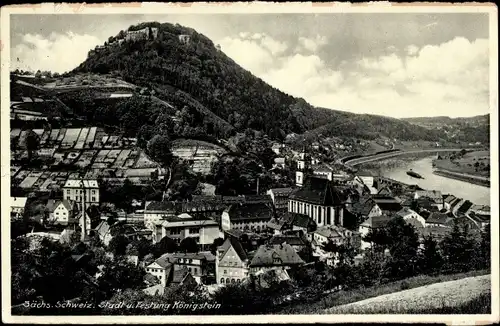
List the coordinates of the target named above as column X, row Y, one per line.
column 480, row 181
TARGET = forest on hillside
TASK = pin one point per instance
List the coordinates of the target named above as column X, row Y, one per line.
column 197, row 73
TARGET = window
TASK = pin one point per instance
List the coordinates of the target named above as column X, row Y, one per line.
column 222, row 280
column 233, row 281
column 175, row 231
column 194, row 230
column 93, row 192
column 93, row 199
column 228, row 280
column 225, row 271
column 238, row 281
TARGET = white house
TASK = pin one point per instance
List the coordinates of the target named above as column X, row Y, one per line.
column 17, row 205
column 411, row 216
column 61, row 211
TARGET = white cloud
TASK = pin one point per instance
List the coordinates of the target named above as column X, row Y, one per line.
column 56, row 53
column 412, row 49
column 445, row 79
column 312, row 44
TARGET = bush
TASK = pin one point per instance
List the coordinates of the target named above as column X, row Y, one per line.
column 404, row 285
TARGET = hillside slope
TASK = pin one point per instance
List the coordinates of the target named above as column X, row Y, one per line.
column 185, row 68
column 438, row 295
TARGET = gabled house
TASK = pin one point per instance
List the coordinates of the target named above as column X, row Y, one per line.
column 448, row 200
column 231, row 263
column 320, row 200
column 434, row 195
column 464, row 208
column 366, row 207
column 388, row 205
column 103, row 231
column 17, row 205
column 385, row 191
column 161, row 269
column 412, row 217
column 61, row 211
column 455, row 204
column 269, row 257
column 438, row 219
column 297, row 242
column 200, row 265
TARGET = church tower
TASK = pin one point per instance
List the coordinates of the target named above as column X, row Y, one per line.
column 303, row 165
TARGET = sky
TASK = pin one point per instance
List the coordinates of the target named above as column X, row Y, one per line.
column 397, row 64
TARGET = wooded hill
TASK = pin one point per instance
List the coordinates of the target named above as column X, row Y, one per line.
column 198, row 75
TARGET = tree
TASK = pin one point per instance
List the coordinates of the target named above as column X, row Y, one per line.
column 485, row 247
column 431, row 260
column 31, row 142
column 403, row 247
column 458, row 248
column 120, row 275
column 118, row 245
column 189, row 244
column 216, row 244
column 165, row 245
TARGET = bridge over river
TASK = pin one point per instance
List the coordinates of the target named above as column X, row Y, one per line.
column 351, row 162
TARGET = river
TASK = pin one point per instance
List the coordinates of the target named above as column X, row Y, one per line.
column 475, row 193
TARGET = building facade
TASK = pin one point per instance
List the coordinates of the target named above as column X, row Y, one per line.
column 85, row 190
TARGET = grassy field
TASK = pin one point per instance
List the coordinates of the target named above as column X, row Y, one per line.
column 451, row 295
column 346, row 297
column 466, row 164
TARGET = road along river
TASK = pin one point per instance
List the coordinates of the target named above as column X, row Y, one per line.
column 475, row 193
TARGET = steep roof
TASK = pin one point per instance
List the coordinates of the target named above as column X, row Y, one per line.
column 103, row 228
column 318, row 191
column 363, row 206
column 284, row 253
column 162, row 206
column 236, row 245
column 449, row 199
column 465, row 207
column 18, row 201
column 455, row 202
column 293, row 240
column 332, row 231
column 276, row 224
column 173, row 257
column 387, row 203
column 437, row 218
column 179, row 275
column 250, row 211
column 281, row 192
column 77, row 183
column 296, row 219
column 380, row 221
column 405, row 211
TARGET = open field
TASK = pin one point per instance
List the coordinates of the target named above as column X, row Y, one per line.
column 474, row 163
column 445, row 294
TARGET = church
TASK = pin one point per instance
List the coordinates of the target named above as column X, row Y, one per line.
column 316, row 197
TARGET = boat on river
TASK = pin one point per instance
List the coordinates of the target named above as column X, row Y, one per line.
column 413, row 174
